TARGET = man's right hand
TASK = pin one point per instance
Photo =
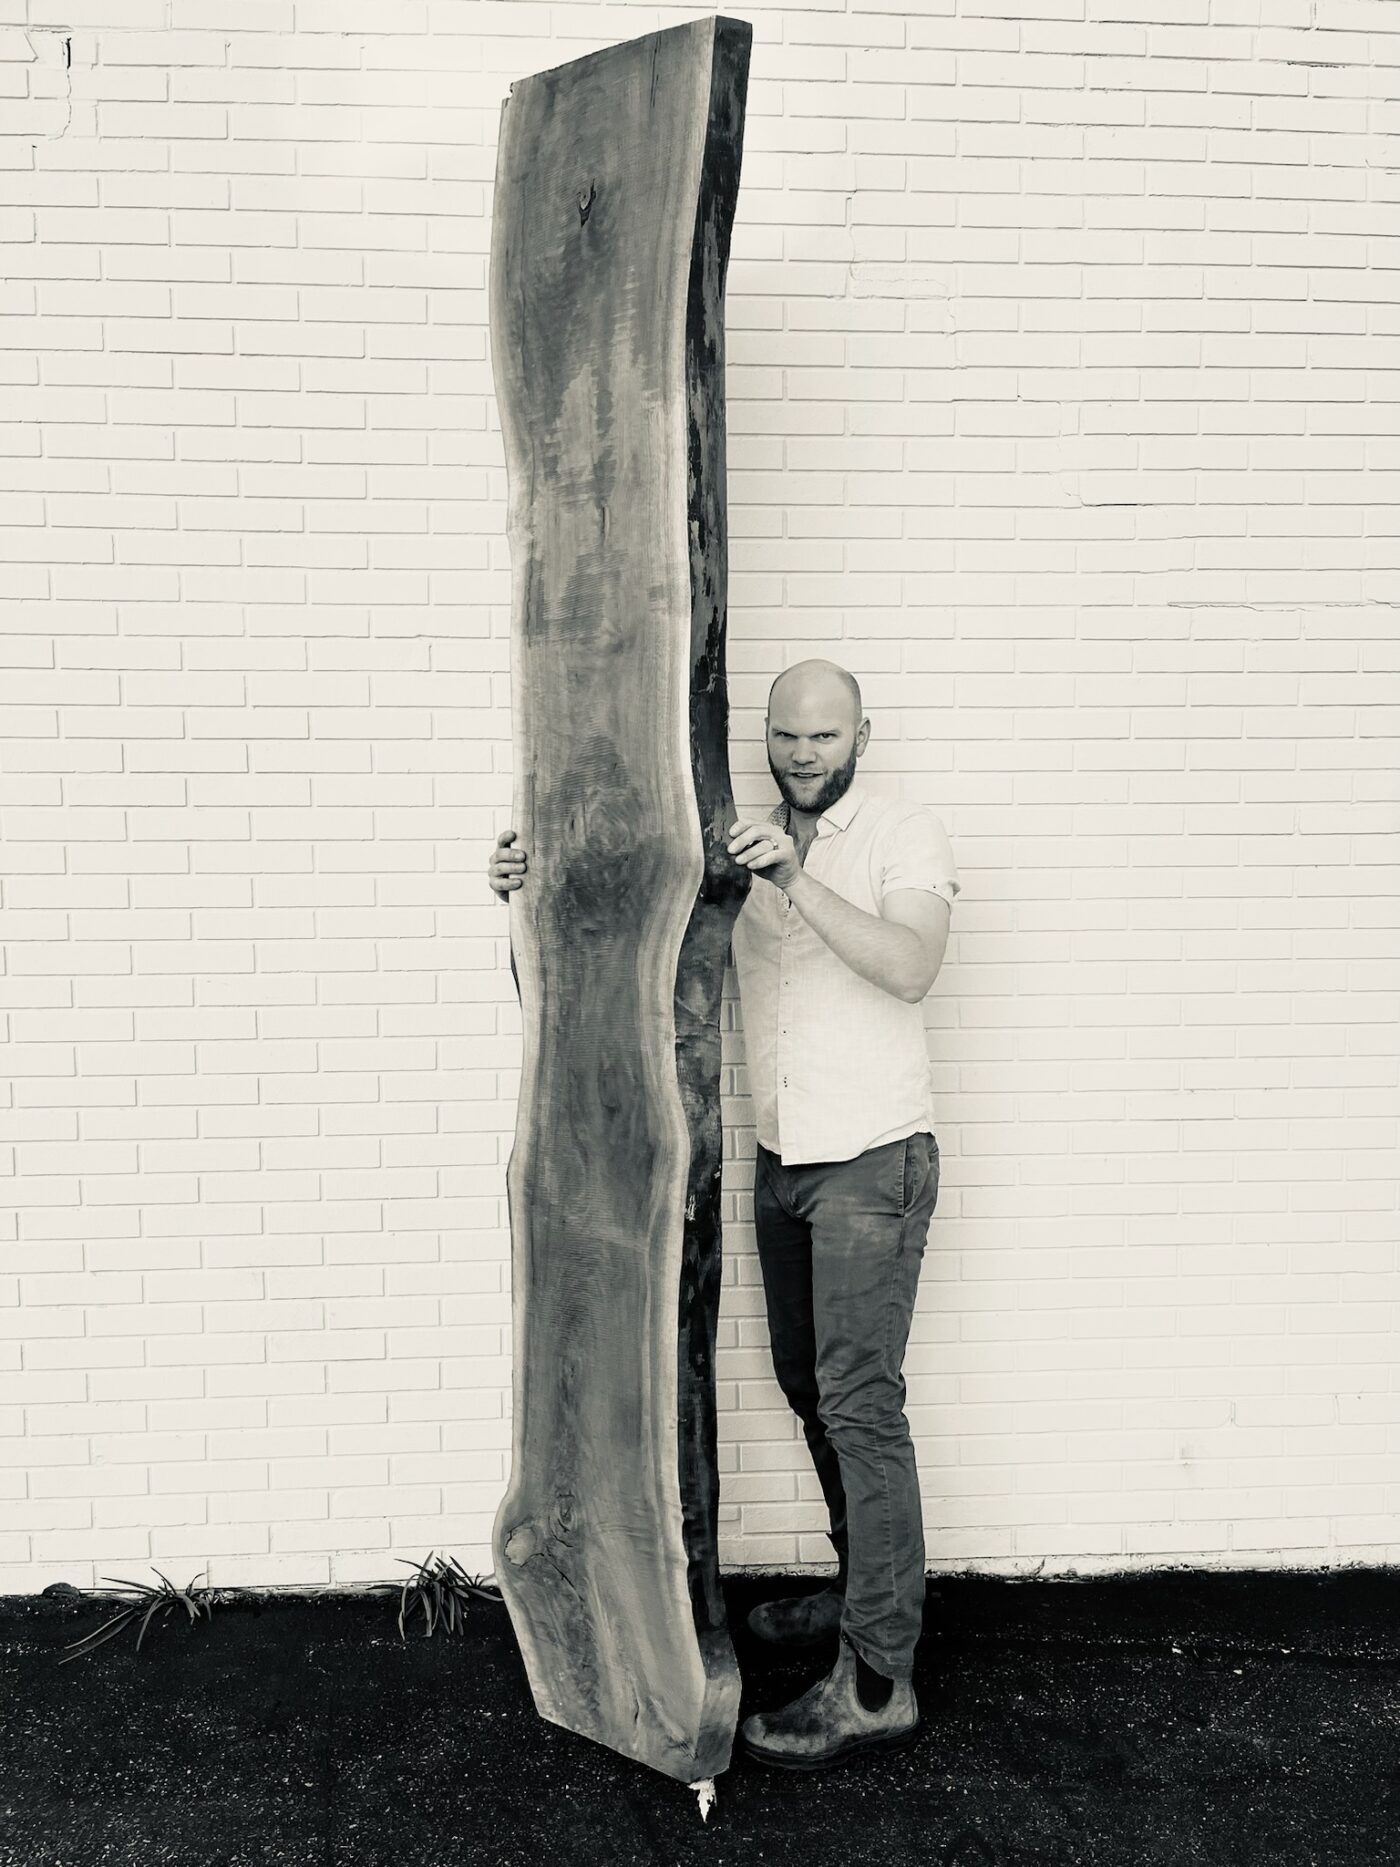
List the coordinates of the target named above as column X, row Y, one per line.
column 506, row 869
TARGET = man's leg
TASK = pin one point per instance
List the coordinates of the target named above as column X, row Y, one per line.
column 869, row 1222
column 785, row 1259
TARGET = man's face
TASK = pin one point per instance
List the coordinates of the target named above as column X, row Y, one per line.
column 811, row 752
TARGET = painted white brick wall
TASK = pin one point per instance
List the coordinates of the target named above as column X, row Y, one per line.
column 1062, row 410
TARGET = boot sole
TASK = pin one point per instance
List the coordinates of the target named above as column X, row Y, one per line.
column 855, row 1746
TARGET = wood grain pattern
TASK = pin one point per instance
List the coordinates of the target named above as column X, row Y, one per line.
column 616, row 183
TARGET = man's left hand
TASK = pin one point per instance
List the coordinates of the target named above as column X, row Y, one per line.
column 767, row 851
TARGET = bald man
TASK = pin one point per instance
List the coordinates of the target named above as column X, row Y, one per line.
column 835, row 949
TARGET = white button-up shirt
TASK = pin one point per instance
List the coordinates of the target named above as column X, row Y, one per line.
column 837, row 1065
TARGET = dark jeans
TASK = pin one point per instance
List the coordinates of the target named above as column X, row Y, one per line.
column 841, row 1245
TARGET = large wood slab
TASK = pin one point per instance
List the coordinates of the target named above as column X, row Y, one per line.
column 616, row 182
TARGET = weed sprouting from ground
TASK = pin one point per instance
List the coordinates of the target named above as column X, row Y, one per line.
column 151, row 1603
column 441, row 1590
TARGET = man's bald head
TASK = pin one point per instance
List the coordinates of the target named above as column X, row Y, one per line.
column 816, row 732
column 816, row 681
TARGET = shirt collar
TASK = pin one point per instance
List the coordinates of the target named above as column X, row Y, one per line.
column 836, row 817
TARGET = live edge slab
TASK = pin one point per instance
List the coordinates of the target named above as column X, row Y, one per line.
column 616, row 183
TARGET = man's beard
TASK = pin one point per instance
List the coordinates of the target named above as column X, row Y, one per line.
column 817, row 798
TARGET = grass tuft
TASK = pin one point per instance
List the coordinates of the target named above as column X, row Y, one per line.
column 441, row 1591
column 150, row 1604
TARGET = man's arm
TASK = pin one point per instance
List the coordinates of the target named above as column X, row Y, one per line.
column 928, row 915
column 900, row 949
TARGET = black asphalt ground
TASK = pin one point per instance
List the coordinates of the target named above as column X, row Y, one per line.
column 1158, row 1721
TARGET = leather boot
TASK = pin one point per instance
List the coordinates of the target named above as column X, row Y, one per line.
column 799, row 1621
column 828, row 1723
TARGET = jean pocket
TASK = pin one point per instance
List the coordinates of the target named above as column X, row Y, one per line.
column 914, row 1166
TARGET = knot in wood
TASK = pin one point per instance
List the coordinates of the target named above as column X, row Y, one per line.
column 522, row 1543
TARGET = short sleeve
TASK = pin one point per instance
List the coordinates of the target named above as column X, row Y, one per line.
column 918, row 854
